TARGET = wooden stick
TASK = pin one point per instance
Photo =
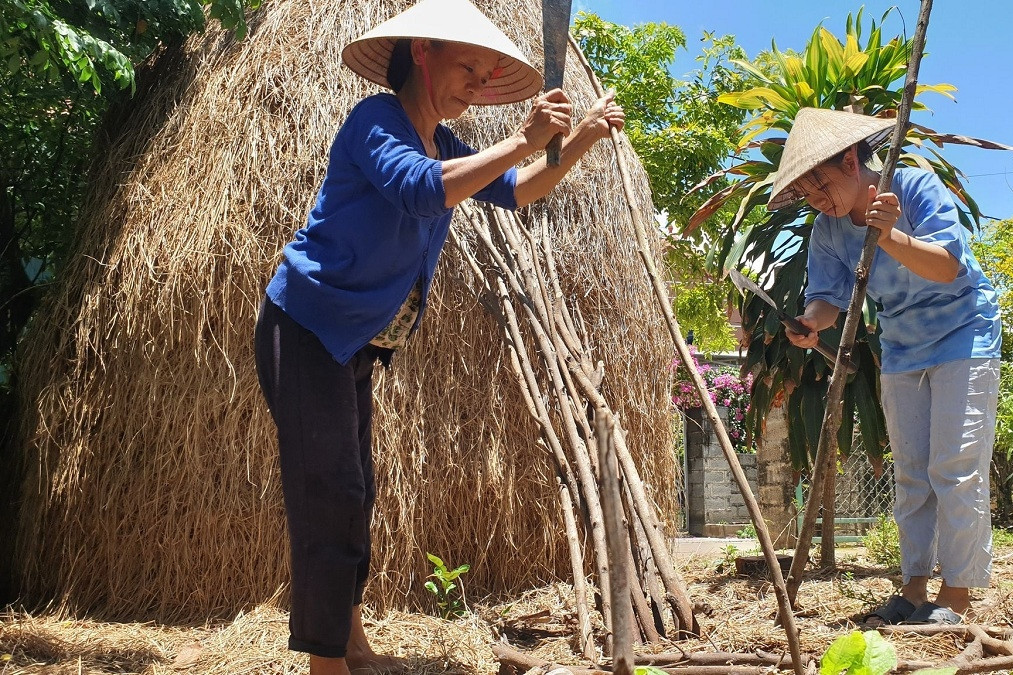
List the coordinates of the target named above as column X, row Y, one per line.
column 757, row 658
column 962, row 630
column 653, row 585
column 687, row 623
column 618, row 549
column 563, row 334
column 568, row 488
column 661, row 294
column 992, row 665
column 826, row 452
column 585, row 476
column 514, row 662
column 585, row 635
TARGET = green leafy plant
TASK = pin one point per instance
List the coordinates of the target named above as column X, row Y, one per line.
column 882, row 543
column 727, row 562
column 864, row 70
column 449, row 595
column 1002, row 537
column 747, row 532
column 848, row 588
column 859, row 653
column 867, row 653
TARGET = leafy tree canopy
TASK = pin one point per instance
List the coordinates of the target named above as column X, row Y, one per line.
column 62, row 62
column 681, row 134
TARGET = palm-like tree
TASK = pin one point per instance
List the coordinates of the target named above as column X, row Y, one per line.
column 865, row 77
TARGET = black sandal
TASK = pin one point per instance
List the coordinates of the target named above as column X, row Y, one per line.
column 896, row 610
column 931, row 613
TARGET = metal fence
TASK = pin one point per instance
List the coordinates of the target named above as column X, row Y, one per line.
column 861, row 497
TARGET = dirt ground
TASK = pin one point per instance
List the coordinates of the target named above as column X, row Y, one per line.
column 735, row 612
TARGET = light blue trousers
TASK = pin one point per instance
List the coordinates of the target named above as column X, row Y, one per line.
column 941, row 422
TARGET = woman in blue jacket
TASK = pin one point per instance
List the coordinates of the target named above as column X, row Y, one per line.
column 940, row 337
column 353, row 284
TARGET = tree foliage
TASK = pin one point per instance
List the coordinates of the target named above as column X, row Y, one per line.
column 62, row 64
column 681, row 135
column 994, row 250
column 866, row 74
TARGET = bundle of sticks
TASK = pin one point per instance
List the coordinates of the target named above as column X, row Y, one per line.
column 515, row 272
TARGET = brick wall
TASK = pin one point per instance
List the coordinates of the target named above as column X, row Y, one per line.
column 715, row 506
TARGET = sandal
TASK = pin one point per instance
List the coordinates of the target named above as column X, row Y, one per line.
column 931, row 613
column 896, row 610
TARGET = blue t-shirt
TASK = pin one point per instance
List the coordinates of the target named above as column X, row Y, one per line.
column 376, row 230
column 924, row 323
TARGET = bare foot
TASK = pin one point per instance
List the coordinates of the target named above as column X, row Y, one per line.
column 323, row 666
column 360, row 663
column 360, row 655
column 954, row 598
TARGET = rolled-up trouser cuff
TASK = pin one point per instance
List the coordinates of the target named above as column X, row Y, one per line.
column 324, row 651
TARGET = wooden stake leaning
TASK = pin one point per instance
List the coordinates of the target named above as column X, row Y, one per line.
column 766, row 544
column 619, row 548
column 826, row 453
column 514, row 269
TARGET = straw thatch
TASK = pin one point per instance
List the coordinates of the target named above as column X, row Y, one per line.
column 150, row 475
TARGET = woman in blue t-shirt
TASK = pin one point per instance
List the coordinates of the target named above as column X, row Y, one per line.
column 353, row 284
column 940, row 340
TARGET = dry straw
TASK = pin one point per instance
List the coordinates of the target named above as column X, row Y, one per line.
column 151, row 486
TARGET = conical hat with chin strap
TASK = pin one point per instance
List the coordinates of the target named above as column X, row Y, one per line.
column 459, row 21
column 816, row 136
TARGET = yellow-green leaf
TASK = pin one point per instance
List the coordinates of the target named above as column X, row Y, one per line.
column 805, row 92
column 850, row 47
column 854, row 63
column 834, row 51
column 943, row 89
column 794, row 69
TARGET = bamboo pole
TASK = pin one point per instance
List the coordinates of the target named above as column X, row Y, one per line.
column 826, row 453
column 786, row 616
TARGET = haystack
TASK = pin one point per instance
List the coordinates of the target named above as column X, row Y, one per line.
column 151, row 486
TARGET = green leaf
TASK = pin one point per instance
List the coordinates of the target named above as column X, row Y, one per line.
column 880, row 656
column 845, row 653
column 431, row 587
column 859, row 653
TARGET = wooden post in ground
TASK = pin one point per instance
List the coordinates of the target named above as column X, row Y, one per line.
column 616, row 535
column 661, row 295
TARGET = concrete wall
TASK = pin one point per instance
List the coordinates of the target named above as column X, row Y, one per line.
column 715, row 507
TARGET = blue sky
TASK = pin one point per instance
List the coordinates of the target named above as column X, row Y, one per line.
column 967, row 46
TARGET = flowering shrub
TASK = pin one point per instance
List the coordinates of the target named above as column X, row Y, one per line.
column 726, row 389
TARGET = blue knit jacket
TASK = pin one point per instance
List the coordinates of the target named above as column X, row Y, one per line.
column 377, row 228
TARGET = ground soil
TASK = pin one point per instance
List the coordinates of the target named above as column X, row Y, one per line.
column 736, row 613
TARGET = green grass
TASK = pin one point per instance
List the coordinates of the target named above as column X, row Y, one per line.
column 1002, row 538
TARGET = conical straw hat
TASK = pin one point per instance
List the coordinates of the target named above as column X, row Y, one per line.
column 453, row 21
column 816, row 136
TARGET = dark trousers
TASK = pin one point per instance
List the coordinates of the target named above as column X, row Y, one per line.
column 323, row 411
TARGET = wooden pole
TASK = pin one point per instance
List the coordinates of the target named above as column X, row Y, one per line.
column 618, row 548
column 661, row 294
column 826, row 453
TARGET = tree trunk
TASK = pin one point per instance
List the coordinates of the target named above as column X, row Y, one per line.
column 776, row 480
